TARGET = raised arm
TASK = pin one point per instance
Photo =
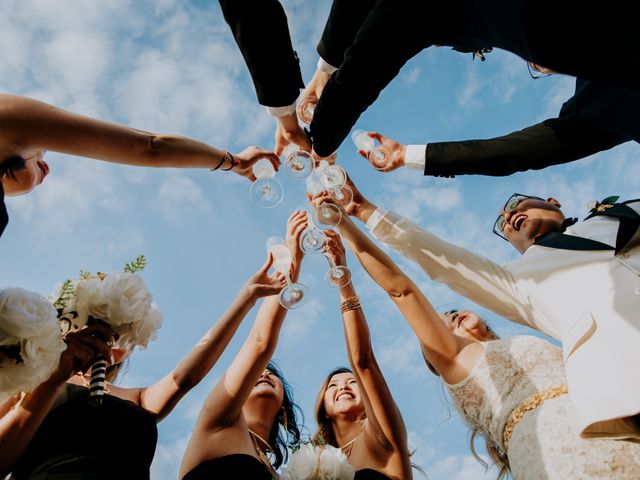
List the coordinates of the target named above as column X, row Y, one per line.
column 32, row 124
column 22, row 417
column 384, row 420
column 222, row 409
column 162, row 397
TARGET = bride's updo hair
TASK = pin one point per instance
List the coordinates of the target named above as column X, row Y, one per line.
column 325, row 432
column 289, row 417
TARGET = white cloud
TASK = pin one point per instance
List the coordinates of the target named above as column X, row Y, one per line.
column 562, row 90
column 180, row 196
column 168, row 457
column 299, row 323
column 410, row 76
column 460, row 467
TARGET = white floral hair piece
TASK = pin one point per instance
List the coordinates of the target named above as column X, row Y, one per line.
column 30, row 340
column 318, row 462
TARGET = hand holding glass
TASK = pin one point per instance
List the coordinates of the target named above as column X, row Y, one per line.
column 376, row 154
column 266, row 191
column 294, row 295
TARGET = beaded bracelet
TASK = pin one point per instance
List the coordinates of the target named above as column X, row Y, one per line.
column 351, row 303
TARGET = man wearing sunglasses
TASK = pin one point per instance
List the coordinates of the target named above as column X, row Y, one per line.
column 578, row 282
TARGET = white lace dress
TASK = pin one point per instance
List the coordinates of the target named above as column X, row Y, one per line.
column 545, row 444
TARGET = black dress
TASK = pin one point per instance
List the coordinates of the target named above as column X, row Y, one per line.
column 77, row 441
column 4, row 216
column 369, row 474
column 236, row 466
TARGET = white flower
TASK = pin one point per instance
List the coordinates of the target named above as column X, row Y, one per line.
column 314, row 462
column 29, row 320
column 91, row 301
column 592, row 205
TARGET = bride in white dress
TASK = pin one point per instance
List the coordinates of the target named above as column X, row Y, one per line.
column 512, row 391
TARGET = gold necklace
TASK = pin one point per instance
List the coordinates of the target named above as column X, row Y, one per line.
column 261, row 455
column 347, row 447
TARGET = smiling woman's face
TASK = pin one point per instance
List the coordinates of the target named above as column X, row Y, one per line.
column 269, row 385
column 343, row 395
column 21, row 181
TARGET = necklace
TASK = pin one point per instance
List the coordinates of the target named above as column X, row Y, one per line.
column 261, row 455
column 347, row 447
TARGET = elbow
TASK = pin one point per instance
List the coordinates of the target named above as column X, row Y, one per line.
column 363, row 359
column 400, row 289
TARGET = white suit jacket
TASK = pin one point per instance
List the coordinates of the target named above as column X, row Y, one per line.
column 588, row 300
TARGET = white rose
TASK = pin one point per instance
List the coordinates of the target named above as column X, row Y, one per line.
column 303, row 463
column 144, row 330
column 91, row 300
column 334, row 465
column 28, row 319
column 128, row 298
column 592, row 205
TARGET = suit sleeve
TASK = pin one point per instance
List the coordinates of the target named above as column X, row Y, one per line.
column 378, row 53
column 472, row 276
column 261, row 31
column 344, row 21
column 552, row 142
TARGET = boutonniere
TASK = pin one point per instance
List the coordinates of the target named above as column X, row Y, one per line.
column 595, row 206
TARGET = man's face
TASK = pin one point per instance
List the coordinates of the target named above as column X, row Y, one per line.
column 526, row 219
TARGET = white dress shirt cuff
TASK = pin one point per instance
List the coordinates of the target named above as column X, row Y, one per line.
column 282, row 111
column 415, row 157
column 326, row 67
column 375, row 218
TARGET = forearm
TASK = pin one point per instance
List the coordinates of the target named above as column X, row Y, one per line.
column 201, row 359
column 19, row 425
column 356, row 334
column 376, row 263
column 552, row 142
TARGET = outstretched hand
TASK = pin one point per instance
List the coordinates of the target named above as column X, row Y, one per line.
column 335, row 248
column 261, row 284
column 397, row 151
column 247, row 158
column 353, row 208
column 296, row 224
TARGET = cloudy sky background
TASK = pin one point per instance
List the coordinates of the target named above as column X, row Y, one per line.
column 172, row 66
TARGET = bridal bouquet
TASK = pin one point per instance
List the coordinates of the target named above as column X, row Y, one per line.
column 120, row 300
column 30, row 341
column 318, row 462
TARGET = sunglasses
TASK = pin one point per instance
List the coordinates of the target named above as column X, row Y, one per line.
column 532, row 67
column 510, row 205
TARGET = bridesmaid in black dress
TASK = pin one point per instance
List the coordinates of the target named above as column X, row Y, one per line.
column 54, row 433
column 250, row 412
column 355, row 410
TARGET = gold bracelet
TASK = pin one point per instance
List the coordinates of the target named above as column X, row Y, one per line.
column 351, row 303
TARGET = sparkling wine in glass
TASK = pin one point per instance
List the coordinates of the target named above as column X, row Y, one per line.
column 294, row 295
column 266, row 191
column 337, row 276
column 376, row 154
column 298, row 163
column 305, row 109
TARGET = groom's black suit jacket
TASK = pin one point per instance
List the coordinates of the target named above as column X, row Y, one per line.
column 262, row 34
column 597, row 44
column 598, row 117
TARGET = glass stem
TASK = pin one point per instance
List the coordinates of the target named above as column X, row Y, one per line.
column 288, row 279
column 334, row 267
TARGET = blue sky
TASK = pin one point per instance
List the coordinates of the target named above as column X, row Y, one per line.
column 172, row 66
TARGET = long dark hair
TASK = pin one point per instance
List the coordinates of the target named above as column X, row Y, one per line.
column 10, row 165
column 289, row 416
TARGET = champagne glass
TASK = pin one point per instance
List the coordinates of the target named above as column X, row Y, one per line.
column 266, row 191
column 298, row 163
column 333, row 176
column 305, row 109
column 327, row 214
column 337, row 276
column 376, row 154
column 294, row 295
column 313, row 240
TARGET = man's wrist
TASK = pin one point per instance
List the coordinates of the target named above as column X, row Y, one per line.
column 282, row 111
